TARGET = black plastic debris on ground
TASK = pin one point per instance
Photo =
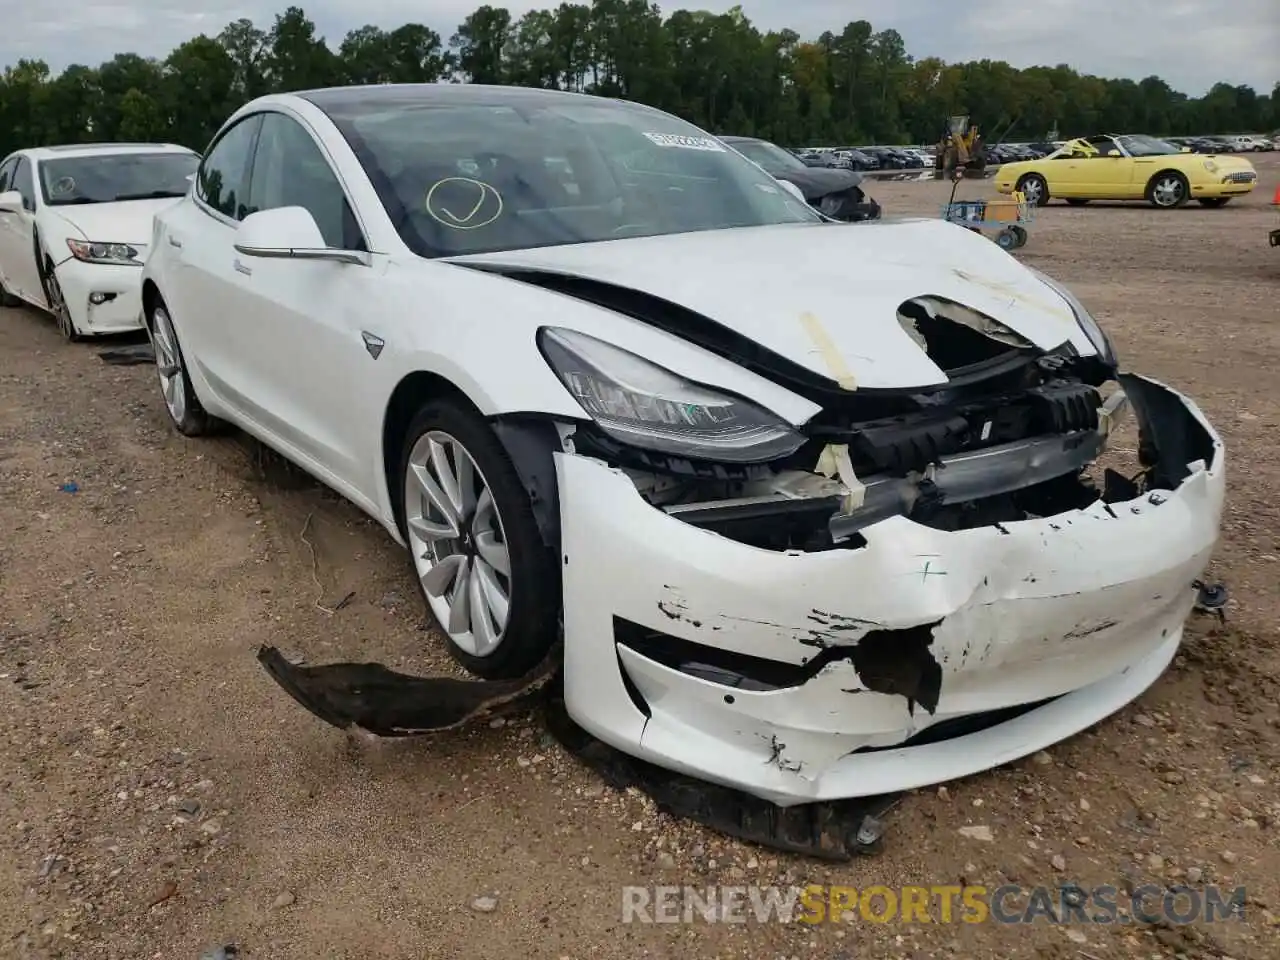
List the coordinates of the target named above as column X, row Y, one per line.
column 370, row 697
column 133, row 356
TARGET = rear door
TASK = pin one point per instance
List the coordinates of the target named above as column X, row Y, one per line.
column 21, row 268
column 205, row 289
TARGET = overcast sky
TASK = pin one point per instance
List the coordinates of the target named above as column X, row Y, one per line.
column 1191, row 43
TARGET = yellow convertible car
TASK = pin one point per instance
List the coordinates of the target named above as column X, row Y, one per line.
column 1128, row 168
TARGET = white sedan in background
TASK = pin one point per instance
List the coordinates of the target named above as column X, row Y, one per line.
column 74, row 225
column 807, row 501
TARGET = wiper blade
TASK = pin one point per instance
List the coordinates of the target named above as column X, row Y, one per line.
column 72, row 202
column 151, row 195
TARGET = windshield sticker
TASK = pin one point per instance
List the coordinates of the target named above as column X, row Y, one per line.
column 461, row 203
column 64, row 185
column 681, row 142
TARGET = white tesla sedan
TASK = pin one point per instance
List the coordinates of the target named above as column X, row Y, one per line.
column 808, row 501
column 74, row 225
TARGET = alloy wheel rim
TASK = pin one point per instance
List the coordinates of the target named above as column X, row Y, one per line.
column 173, row 381
column 1168, row 191
column 459, row 546
column 60, row 311
column 1031, row 190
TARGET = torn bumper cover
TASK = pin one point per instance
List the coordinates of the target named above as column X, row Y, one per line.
column 917, row 656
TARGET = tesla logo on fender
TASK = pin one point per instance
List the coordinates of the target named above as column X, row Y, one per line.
column 373, row 344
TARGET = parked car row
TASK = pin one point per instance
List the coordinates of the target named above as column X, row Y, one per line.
column 635, row 410
column 1242, row 143
column 867, row 158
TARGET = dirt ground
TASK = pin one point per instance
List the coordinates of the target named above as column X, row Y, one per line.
column 160, row 796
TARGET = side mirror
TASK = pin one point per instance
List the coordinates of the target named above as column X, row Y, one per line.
column 792, row 189
column 289, row 233
column 10, row 201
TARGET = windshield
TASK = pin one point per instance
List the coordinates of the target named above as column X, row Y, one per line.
column 107, row 178
column 769, row 155
column 1144, row 146
column 478, row 177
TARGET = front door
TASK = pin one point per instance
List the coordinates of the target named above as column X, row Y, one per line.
column 22, row 271
column 299, row 338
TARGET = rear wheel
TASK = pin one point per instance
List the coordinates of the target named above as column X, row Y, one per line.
column 180, row 399
column 489, row 580
column 1035, row 188
column 1213, row 202
column 1168, row 189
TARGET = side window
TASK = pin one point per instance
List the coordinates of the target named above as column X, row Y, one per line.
column 289, row 170
column 25, row 183
column 6, row 174
column 220, row 181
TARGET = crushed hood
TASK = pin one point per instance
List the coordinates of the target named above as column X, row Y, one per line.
column 128, row 221
column 825, row 296
column 817, row 182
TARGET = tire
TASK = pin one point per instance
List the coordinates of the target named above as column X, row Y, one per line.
column 1077, row 201
column 180, row 401
column 1035, row 188
column 1020, row 235
column 1167, row 190
column 1213, row 202
column 519, row 607
column 1006, row 239
column 58, row 304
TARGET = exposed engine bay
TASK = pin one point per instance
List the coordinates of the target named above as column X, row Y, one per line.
column 1007, row 439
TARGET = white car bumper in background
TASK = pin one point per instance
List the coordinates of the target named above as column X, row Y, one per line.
column 102, row 298
column 799, row 676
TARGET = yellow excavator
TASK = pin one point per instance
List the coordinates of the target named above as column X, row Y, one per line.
column 959, row 149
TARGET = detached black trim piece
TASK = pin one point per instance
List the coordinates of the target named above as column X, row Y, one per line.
column 531, row 442
column 1170, row 438
column 368, row 696
column 836, row 830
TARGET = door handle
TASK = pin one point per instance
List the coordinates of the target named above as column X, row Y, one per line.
column 175, row 242
column 241, row 268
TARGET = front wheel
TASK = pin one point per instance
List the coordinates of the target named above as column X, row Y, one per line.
column 1035, row 188
column 489, row 580
column 1213, row 202
column 58, row 307
column 1168, row 190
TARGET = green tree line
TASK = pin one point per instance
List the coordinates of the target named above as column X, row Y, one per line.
column 858, row 85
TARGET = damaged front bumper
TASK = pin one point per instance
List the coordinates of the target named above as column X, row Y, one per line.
column 914, row 656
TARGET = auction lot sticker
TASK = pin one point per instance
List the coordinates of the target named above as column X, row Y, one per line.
column 685, row 143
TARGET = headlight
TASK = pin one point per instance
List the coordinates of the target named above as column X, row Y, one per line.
column 644, row 405
column 95, row 251
column 1101, row 342
column 831, row 204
